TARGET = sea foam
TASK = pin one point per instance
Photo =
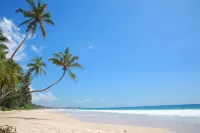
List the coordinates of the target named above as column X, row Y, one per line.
column 189, row 112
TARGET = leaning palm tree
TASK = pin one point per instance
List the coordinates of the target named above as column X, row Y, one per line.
column 36, row 15
column 67, row 61
column 36, row 67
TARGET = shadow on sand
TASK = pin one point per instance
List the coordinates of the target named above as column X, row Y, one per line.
column 25, row 118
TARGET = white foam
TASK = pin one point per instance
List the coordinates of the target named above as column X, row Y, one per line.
column 190, row 112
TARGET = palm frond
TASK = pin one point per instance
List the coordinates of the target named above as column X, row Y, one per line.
column 43, row 64
column 25, row 22
column 49, row 21
column 39, row 4
column 73, row 59
column 46, row 15
column 40, row 58
column 67, row 51
column 57, row 55
column 3, row 47
column 67, row 58
column 29, row 14
column 32, row 4
column 42, row 29
column 34, row 59
column 76, row 65
column 56, row 61
column 42, row 8
column 30, row 65
column 72, row 75
column 3, row 38
column 31, row 27
column 42, row 71
column 19, row 10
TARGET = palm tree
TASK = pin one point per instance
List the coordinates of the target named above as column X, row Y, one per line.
column 2, row 38
column 3, row 47
column 11, row 75
column 36, row 66
column 65, row 60
column 36, row 15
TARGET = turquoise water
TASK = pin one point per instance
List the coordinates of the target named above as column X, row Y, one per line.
column 178, row 118
column 160, row 107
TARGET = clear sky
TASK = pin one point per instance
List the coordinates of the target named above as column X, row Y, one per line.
column 134, row 52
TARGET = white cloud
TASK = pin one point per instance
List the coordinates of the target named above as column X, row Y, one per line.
column 47, row 97
column 12, row 32
column 35, row 49
column 25, row 67
column 83, row 101
column 90, row 47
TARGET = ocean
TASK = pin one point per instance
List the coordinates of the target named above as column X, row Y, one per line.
column 178, row 118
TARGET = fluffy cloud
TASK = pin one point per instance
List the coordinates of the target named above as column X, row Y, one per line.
column 90, row 47
column 83, row 101
column 12, row 32
column 35, row 49
column 47, row 97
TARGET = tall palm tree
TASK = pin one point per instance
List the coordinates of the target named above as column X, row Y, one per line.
column 65, row 60
column 36, row 16
column 36, row 65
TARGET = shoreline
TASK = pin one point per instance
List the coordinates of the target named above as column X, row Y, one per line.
column 48, row 121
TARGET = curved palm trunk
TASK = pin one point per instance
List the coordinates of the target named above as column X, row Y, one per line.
column 33, row 76
column 19, row 47
column 50, row 85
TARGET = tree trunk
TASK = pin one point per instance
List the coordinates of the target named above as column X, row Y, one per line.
column 19, row 47
column 50, row 85
column 33, row 76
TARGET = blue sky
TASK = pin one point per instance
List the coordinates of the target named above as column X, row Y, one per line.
column 134, row 52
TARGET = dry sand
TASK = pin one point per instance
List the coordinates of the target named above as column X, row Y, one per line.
column 47, row 121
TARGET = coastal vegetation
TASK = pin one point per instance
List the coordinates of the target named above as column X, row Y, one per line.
column 15, row 81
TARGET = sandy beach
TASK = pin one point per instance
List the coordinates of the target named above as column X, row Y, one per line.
column 47, row 121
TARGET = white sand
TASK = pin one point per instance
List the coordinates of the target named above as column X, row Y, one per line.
column 46, row 121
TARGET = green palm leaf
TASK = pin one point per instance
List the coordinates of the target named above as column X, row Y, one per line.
column 32, row 4
column 72, row 75
column 42, row 29
column 25, row 22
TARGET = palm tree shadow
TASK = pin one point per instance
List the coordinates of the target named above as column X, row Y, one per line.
column 25, row 118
